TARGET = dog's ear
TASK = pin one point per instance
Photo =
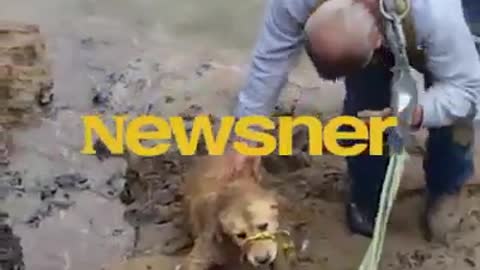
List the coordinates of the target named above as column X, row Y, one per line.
column 212, row 222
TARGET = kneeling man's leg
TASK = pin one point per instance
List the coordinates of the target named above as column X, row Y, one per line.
column 366, row 90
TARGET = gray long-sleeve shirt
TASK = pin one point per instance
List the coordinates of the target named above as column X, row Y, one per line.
column 441, row 30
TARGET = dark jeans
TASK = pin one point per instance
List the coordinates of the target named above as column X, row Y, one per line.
column 448, row 164
column 472, row 15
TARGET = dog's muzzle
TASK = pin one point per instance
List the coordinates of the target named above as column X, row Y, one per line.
column 281, row 238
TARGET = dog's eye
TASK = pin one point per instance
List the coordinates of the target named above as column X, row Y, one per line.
column 241, row 235
column 263, row 227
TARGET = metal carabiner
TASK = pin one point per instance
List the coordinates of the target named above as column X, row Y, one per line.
column 396, row 16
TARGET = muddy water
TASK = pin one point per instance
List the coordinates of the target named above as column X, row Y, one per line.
column 87, row 40
column 225, row 23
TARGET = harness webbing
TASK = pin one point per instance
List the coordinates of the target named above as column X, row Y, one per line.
column 403, row 84
column 399, row 155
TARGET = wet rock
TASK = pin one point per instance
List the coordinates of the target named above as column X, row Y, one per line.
column 45, row 97
column 26, row 72
column 72, row 181
column 11, row 251
column 4, row 151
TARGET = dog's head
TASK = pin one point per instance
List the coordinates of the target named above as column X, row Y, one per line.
column 249, row 216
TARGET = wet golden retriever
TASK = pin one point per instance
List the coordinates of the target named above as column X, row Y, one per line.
column 232, row 220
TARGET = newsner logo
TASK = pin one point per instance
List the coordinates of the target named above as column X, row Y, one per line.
column 321, row 136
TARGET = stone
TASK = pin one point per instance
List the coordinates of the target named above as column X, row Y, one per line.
column 26, row 80
column 4, row 147
column 11, row 251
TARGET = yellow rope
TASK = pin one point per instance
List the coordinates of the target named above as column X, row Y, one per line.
column 287, row 246
column 391, row 184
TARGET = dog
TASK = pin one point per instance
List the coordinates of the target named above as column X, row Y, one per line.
column 229, row 219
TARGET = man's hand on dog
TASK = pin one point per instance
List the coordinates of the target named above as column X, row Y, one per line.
column 236, row 163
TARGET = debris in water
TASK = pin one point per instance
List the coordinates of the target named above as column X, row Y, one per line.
column 169, row 99
column 38, row 215
column 87, row 42
column 192, row 111
column 10, row 181
column 117, row 232
column 61, row 203
column 72, row 181
column 47, row 192
column 45, row 97
column 203, row 68
column 101, row 96
column 471, row 262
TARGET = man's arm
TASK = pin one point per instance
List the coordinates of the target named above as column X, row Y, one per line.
column 276, row 51
column 452, row 60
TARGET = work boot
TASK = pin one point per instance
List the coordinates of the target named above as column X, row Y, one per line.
column 441, row 217
column 360, row 221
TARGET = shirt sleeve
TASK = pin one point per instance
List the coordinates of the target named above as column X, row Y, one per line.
column 453, row 63
column 276, row 51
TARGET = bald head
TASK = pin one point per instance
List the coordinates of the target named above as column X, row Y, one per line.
column 341, row 37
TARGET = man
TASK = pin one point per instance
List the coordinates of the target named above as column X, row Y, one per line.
column 343, row 39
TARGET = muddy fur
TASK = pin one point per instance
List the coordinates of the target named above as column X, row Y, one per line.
column 223, row 213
